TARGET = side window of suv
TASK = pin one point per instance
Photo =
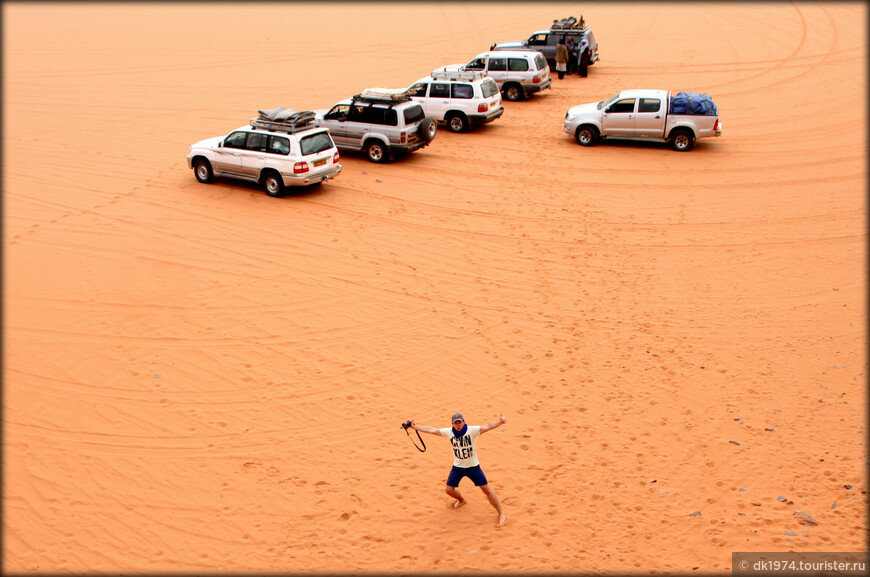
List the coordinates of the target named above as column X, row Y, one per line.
column 649, row 105
column 338, row 112
column 359, row 113
column 498, row 63
column 518, row 64
column 440, row 90
column 279, row 145
column 540, row 62
column 257, row 141
column 552, row 39
column 236, row 140
column 622, row 106
column 476, row 64
column 419, row 89
column 538, row 40
column 462, row 91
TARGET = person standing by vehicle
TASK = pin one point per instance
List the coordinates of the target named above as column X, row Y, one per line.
column 572, row 55
column 561, row 57
column 465, row 462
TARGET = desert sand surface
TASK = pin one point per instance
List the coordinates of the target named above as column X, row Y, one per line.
column 202, row 378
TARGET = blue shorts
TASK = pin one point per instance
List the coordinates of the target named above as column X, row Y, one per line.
column 474, row 473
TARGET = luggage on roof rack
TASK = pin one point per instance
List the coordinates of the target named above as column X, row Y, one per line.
column 392, row 95
column 283, row 119
column 569, row 23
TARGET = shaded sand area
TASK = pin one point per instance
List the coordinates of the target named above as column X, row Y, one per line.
column 202, row 378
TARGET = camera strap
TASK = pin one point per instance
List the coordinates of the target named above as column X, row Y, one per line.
column 423, row 450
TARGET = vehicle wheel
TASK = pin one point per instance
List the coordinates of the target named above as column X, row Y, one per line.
column 682, row 140
column 584, row 65
column 273, row 184
column 377, row 152
column 457, row 123
column 586, row 135
column 513, row 92
column 203, row 172
column 428, row 128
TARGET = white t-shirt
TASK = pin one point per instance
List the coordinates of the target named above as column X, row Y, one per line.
column 464, row 447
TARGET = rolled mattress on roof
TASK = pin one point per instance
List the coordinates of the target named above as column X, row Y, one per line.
column 693, row 103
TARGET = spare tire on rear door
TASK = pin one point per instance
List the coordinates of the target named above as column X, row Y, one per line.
column 427, row 129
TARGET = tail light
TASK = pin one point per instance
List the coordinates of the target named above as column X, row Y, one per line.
column 536, row 79
column 482, row 107
column 300, row 167
column 335, row 158
column 716, row 126
column 404, row 137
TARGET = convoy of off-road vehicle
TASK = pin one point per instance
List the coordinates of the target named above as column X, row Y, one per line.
column 281, row 147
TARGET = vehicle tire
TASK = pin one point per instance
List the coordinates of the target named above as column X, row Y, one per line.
column 513, row 92
column 682, row 140
column 202, row 170
column 273, row 184
column 377, row 152
column 457, row 122
column 583, row 69
column 586, row 135
column 428, row 128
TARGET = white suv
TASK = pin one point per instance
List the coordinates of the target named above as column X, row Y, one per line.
column 518, row 73
column 461, row 99
column 279, row 148
column 380, row 121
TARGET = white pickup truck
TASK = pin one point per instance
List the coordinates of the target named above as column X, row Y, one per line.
column 652, row 115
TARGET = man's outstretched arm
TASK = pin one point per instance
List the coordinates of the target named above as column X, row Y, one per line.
column 424, row 429
column 501, row 421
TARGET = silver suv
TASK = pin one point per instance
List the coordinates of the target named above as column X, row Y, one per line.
column 280, row 148
column 460, row 99
column 545, row 41
column 381, row 122
column 518, row 73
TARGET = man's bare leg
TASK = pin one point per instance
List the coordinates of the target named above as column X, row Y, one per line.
column 493, row 500
column 454, row 492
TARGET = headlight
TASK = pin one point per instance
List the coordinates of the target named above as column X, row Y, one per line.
column 569, row 117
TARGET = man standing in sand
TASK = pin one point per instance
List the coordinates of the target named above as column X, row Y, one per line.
column 465, row 463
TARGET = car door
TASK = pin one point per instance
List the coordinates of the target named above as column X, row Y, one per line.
column 253, row 156
column 419, row 93
column 618, row 119
column 439, row 99
column 518, row 70
column 650, row 119
column 228, row 156
column 336, row 121
column 497, row 69
column 358, row 125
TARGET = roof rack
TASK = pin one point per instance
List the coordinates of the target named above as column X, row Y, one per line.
column 456, row 74
column 569, row 23
column 389, row 96
column 284, row 120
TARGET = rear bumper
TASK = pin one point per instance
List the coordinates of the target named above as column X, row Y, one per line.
column 478, row 119
column 311, row 177
column 539, row 87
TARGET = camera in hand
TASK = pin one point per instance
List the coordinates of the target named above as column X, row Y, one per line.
column 406, row 424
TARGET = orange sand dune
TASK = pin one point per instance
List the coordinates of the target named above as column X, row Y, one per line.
column 202, row 378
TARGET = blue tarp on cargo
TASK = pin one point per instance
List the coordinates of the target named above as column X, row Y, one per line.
column 692, row 103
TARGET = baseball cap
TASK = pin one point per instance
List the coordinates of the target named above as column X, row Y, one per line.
column 457, row 417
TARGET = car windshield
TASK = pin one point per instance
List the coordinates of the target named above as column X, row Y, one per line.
column 489, row 87
column 608, row 102
column 414, row 114
column 316, row 143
